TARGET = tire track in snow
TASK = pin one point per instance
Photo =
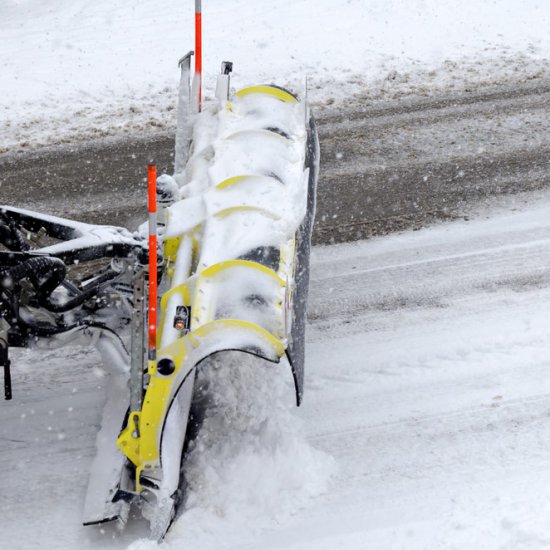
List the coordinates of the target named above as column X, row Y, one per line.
column 417, row 408
column 385, row 165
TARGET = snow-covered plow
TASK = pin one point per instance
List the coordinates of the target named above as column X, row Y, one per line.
column 233, row 225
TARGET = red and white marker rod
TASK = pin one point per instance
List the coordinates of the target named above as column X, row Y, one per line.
column 152, row 207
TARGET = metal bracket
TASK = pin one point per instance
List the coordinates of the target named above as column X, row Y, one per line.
column 185, row 109
column 222, row 83
column 227, row 67
column 186, row 57
column 137, row 353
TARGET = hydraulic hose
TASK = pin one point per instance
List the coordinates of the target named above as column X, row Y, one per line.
column 80, row 298
column 11, row 237
column 45, row 274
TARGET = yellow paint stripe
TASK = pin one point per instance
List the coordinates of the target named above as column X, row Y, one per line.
column 220, row 325
column 282, row 95
column 228, row 211
column 262, row 132
column 228, row 264
column 157, row 400
column 232, row 181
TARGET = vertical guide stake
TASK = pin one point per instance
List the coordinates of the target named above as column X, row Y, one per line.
column 5, row 362
column 4, row 358
column 152, row 207
column 198, row 47
column 7, row 380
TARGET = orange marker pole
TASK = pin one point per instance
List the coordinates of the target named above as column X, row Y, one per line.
column 198, row 46
column 152, row 207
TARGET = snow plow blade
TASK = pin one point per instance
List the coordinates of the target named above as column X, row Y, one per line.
column 236, row 271
column 232, row 263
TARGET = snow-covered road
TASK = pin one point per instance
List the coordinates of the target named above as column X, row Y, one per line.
column 438, row 157
column 431, row 388
column 427, row 383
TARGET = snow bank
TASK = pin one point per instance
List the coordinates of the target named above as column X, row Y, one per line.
column 75, row 70
column 250, row 466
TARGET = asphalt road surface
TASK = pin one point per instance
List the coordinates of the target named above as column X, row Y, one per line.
column 385, row 166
